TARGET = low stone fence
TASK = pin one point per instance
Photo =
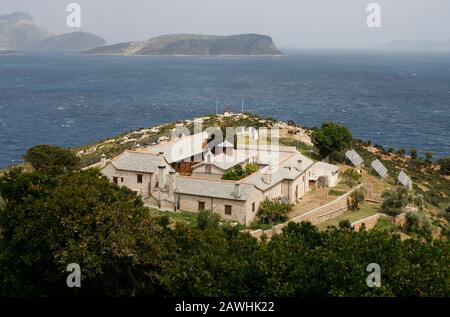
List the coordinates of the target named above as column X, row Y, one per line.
column 315, row 216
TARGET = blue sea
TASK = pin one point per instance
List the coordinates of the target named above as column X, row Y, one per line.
column 395, row 99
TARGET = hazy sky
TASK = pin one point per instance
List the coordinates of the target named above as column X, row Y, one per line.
column 291, row 23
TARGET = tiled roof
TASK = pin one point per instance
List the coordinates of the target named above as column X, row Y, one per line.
column 287, row 169
column 137, row 162
column 180, row 149
column 211, row 188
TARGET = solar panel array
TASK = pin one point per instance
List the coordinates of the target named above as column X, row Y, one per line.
column 354, row 157
column 379, row 168
column 404, row 179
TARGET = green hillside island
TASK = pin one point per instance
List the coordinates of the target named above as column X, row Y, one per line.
column 194, row 44
column 19, row 31
column 57, row 208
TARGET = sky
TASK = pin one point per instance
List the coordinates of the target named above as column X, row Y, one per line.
column 291, row 23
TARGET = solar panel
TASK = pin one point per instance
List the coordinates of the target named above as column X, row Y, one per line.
column 404, row 180
column 379, row 168
column 354, row 157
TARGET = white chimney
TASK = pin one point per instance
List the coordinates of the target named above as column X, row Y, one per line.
column 237, row 190
column 103, row 160
column 172, row 182
column 267, row 176
column 299, row 164
column 162, row 176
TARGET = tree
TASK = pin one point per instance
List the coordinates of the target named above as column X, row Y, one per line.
column 331, row 138
column 52, row 219
column 47, row 156
column 401, row 152
column 390, row 150
column 206, row 219
column 272, row 210
column 357, row 197
column 395, row 201
column 445, row 165
column 429, row 156
column 413, row 153
column 419, row 223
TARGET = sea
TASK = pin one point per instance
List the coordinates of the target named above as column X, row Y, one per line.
column 395, row 99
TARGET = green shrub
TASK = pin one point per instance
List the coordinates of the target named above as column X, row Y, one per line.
column 335, row 192
column 395, row 201
column 357, row 197
column 206, row 219
column 445, row 165
column 351, row 177
column 47, row 156
column 418, row 222
column 273, row 211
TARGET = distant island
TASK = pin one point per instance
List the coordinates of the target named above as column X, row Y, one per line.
column 18, row 31
column 418, row 45
column 194, row 45
column 8, row 52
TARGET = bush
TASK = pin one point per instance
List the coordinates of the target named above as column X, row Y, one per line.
column 401, row 152
column 445, row 165
column 428, row 156
column 351, row 177
column 413, row 153
column 418, row 222
column 237, row 172
column 206, row 219
column 271, row 211
column 357, row 197
column 46, row 156
column 395, row 201
column 331, row 138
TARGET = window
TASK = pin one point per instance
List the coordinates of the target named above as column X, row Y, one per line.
column 139, row 178
column 208, row 169
column 227, row 210
column 253, row 207
column 201, row 205
column 115, row 180
column 121, row 179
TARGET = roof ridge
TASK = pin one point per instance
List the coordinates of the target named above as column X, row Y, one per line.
column 228, row 181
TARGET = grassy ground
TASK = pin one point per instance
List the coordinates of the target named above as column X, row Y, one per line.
column 189, row 218
column 366, row 210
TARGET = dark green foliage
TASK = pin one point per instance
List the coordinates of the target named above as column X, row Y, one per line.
column 413, row 153
column 51, row 220
column 47, row 156
column 207, row 220
column 357, row 197
column 419, row 223
column 401, row 152
column 445, row 165
column 428, row 156
column 395, row 201
column 237, row 172
column 331, row 138
column 273, row 211
column 351, row 177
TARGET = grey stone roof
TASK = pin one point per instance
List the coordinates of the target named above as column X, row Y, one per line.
column 211, row 188
column 137, row 162
column 182, row 148
column 288, row 169
column 327, row 167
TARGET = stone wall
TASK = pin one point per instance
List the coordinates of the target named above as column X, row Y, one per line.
column 315, row 216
